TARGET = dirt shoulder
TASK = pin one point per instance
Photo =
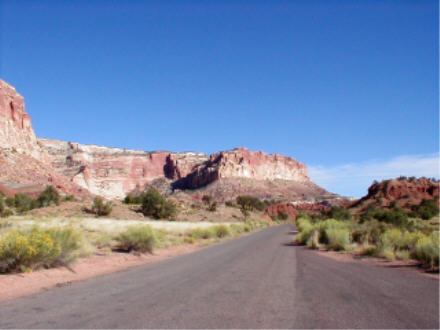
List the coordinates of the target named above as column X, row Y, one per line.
column 18, row 285
column 375, row 261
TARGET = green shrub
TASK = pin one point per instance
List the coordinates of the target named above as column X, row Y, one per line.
column 313, row 240
column 101, row 208
column 21, row 251
column 427, row 251
column 248, row 203
column 237, row 228
column 202, row 233
column 339, row 213
column 24, row 203
column 329, row 224
column 69, row 198
column 48, row 197
column 338, row 238
column 230, row 204
column 69, row 241
column 137, row 238
column 221, row 231
column 212, row 207
column 6, row 213
column 10, row 201
column 282, row 215
column 156, row 206
column 427, row 209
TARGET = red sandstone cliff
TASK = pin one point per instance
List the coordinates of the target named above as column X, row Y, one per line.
column 114, row 172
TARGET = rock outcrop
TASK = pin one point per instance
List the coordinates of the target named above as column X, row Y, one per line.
column 402, row 192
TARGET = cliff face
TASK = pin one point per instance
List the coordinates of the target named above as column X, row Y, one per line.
column 16, row 132
column 113, row 172
column 242, row 163
column 24, row 165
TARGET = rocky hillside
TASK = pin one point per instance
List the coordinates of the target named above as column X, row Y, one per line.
column 114, row 172
column 402, row 192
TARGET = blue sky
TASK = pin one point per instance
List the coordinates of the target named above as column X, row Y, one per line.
column 330, row 83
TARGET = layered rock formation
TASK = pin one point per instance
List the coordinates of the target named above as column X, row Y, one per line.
column 16, row 132
column 24, row 165
column 114, row 172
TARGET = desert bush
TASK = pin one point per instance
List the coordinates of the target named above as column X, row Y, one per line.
column 21, row 251
column 6, row 213
column 237, row 228
column 202, row 233
column 338, row 238
column 427, row 250
column 212, row 207
column 313, row 240
column 221, row 231
column 230, row 204
column 248, row 203
column 69, row 198
column 427, row 209
column 329, row 224
column 391, row 240
column 101, row 208
column 305, row 230
column 339, row 213
column 248, row 227
column 2, row 204
column 24, row 203
column 189, row 240
column 156, row 206
column 282, row 215
column 69, row 241
column 137, row 238
column 396, row 216
column 10, row 201
column 48, row 197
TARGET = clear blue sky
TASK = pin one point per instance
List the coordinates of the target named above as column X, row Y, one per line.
column 329, row 83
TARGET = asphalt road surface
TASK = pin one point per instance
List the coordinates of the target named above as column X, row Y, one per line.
column 257, row 281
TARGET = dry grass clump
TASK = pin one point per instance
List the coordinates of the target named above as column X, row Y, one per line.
column 137, row 238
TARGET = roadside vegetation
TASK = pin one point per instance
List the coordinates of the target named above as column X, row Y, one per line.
column 22, row 203
column 389, row 233
column 29, row 243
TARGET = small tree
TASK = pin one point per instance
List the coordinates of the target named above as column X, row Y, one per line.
column 49, row 196
column 101, row 208
column 156, row 206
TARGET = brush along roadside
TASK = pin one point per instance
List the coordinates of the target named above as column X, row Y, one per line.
column 415, row 239
column 29, row 244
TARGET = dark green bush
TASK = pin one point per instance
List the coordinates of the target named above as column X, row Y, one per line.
column 132, row 199
column 230, row 204
column 427, row 209
column 339, row 213
column 48, row 197
column 282, row 215
column 156, row 206
column 2, row 205
column 101, row 208
column 249, row 203
column 24, row 203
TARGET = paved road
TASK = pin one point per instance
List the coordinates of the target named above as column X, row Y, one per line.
column 257, row 281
